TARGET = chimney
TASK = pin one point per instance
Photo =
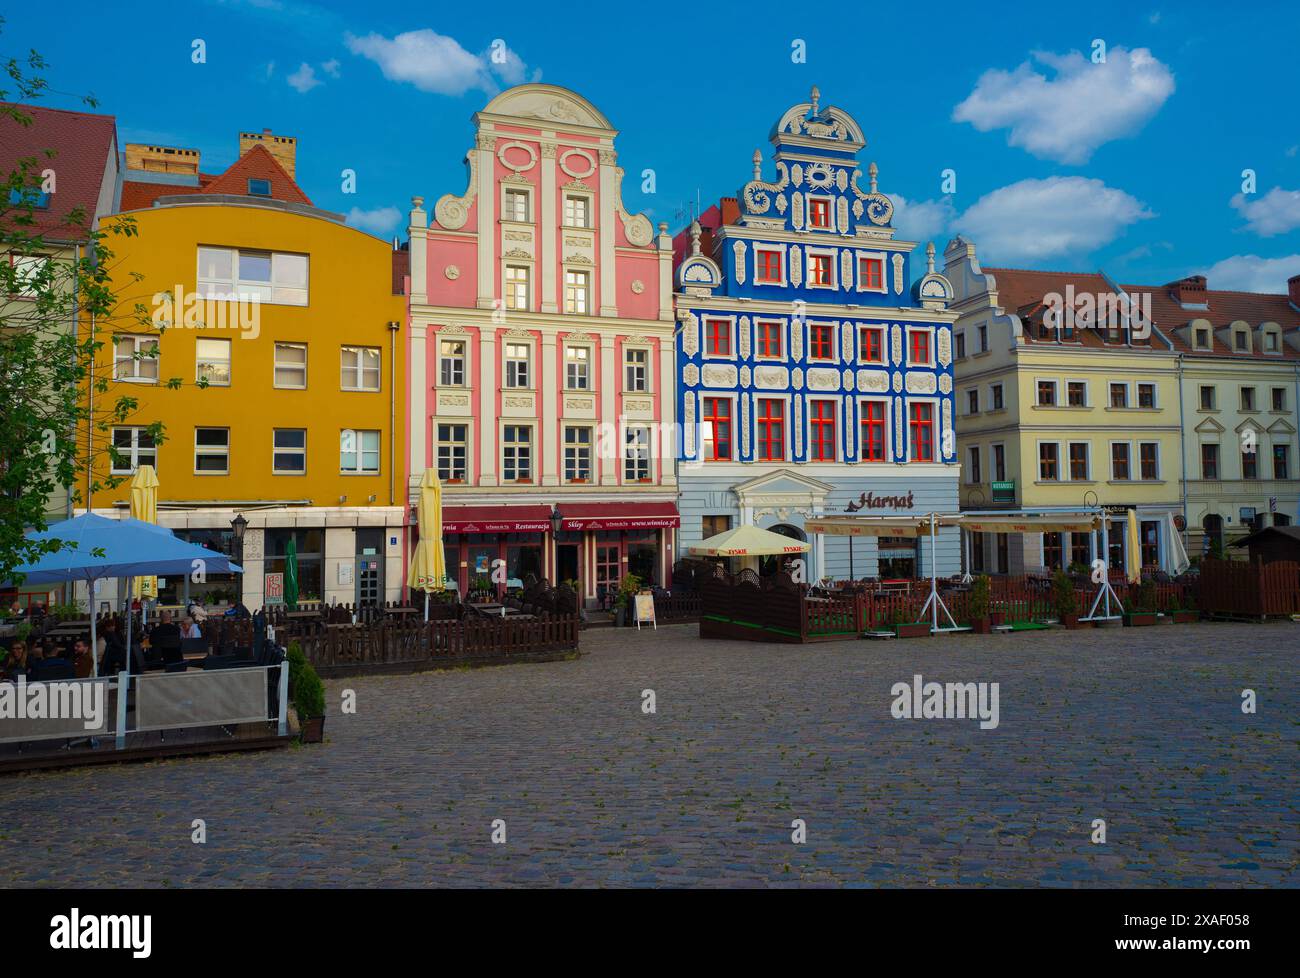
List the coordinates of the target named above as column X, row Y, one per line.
column 1191, row 292
column 283, row 149
column 730, row 208
column 1293, row 290
column 162, row 159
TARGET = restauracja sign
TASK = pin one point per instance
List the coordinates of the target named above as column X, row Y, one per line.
column 869, row 500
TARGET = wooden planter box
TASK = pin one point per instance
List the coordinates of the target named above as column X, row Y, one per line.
column 912, row 629
column 1185, row 617
column 1070, row 622
column 1135, row 619
column 313, row 730
column 981, row 626
column 997, row 618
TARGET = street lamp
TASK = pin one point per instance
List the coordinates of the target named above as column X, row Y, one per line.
column 556, row 519
column 238, row 525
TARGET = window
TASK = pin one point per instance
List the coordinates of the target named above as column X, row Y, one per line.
column 959, row 345
column 453, row 452
column 1207, row 398
column 211, row 451
column 771, row 430
column 577, row 368
column 577, row 454
column 1248, row 398
column 1149, row 537
column 1149, row 460
column 871, row 343
column 636, row 455
column 1146, row 395
column 819, row 213
column 995, row 393
column 1119, row 395
column 132, row 448
column 1076, row 393
column 518, row 286
column 717, row 428
column 577, row 211
column 28, row 273
column 983, row 332
column 768, row 266
column 451, row 363
column 258, row 187
column 1049, row 462
column 973, row 401
column 359, row 452
column 577, row 292
column 1079, row 551
column 821, row 271
column 821, row 437
column 871, row 274
column 921, row 426
column 1249, row 465
column 291, row 365
column 515, row 206
column 711, row 526
column 973, row 474
column 1079, row 460
column 517, row 362
column 1052, row 551
column 821, row 342
column 769, row 340
column 212, row 362
column 872, row 415
column 1202, row 338
column 1270, row 341
column 919, row 348
column 1209, row 461
column 265, row 276
column 135, row 359
column 1281, row 461
column 1240, row 341
column 29, row 197
column 999, row 463
column 1279, row 399
column 517, row 453
column 289, row 451
column 636, row 367
column 1047, row 393
column 1119, row 468
column 717, row 338
column 359, row 368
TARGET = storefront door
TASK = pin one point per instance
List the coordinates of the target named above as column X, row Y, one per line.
column 609, row 564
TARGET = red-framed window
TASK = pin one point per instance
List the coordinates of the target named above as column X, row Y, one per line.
column 821, row 342
column 771, row 430
column 821, row 438
column 769, row 266
column 819, row 213
column 717, row 420
column 871, row 273
column 717, row 337
column 919, row 341
column 871, row 344
column 769, row 339
column 820, row 270
column 921, row 424
column 872, row 415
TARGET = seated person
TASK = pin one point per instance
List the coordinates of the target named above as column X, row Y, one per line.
column 82, row 660
column 166, row 639
column 16, row 665
column 114, row 658
column 190, row 628
column 196, row 611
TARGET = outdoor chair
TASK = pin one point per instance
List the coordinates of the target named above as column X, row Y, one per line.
column 48, row 670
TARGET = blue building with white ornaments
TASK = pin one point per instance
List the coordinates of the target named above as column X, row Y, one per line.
column 814, row 364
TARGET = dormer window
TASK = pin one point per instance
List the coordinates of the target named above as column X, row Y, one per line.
column 29, row 197
column 1240, row 341
column 1202, row 338
column 258, row 187
column 819, row 213
column 1271, row 344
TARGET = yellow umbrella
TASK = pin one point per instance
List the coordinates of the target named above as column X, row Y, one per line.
column 144, row 507
column 428, row 571
column 1132, row 549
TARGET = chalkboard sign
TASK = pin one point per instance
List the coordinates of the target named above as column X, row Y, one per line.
column 644, row 609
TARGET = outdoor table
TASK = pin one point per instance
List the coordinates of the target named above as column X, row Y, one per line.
column 403, row 611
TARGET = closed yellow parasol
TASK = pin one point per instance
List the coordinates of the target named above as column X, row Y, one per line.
column 428, row 570
column 144, row 507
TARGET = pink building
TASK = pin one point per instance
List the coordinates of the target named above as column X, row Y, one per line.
column 541, row 355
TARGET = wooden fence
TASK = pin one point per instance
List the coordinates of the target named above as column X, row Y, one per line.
column 674, row 608
column 1250, row 590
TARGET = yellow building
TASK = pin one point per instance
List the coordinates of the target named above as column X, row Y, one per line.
column 281, row 406
column 1087, row 414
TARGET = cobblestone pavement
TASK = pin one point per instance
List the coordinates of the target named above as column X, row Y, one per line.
column 1140, row 727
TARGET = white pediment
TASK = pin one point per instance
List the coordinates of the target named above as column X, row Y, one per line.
column 782, row 486
column 1210, row 426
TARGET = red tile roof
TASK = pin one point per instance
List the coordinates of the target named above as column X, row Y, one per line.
column 256, row 164
column 1022, row 291
column 1224, row 308
column 83, row 143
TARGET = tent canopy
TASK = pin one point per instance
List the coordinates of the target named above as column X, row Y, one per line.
column 919, row 525
column 748, row 541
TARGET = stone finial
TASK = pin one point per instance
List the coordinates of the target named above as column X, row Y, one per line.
column 695, row 238
column 758, row 164
column 929, row 258
column 872, row 171
column 816, row 98
column 663, row 227
column 417, row 202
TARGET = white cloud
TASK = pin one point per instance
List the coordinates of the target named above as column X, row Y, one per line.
column 1250, row 273
column 922, row 220
column 270, row 68
column 380, row 220
column 331, row 67
column 1277, row 212
column 304, row 79
column 1067, row 117
column 1292, row 150
column 1036, row 219
column 435, row 63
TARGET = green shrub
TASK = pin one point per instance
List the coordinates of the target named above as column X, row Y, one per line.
column 1064, row 601
column 979, row 597
column 307, row 690
column 1144, row 597
column 627, row 587
column 65, row 612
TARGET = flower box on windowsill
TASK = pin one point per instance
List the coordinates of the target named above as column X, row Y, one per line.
column 646, row 479
column 525, row 481
column 578, row 482
column 454, row 482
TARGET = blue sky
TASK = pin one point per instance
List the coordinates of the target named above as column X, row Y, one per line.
column 1134, row 165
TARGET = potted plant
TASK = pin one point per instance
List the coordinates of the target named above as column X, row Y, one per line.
column 1142, row 609
column 979, row 606
column 1065, row 601
column 1186, row 613
column 307, row 693
column 905, row 628
column 627, row 587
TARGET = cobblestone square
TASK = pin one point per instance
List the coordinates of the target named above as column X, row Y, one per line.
column 1140, row 727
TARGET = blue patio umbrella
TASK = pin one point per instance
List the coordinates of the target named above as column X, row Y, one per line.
column 93, row 547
